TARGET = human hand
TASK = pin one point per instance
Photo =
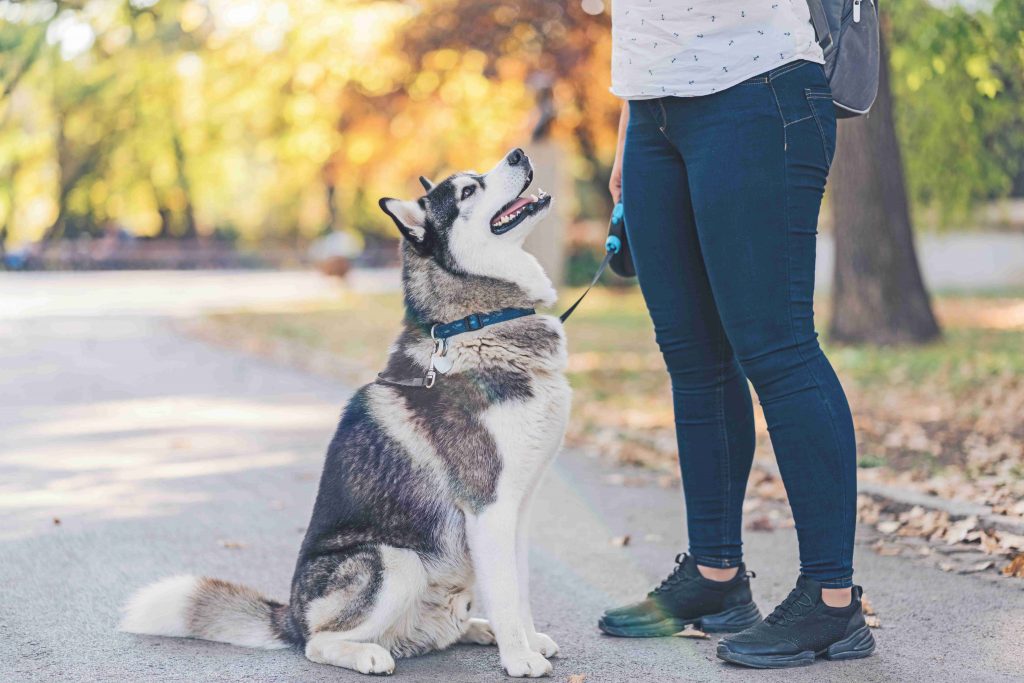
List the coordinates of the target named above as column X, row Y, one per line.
column 615, row 181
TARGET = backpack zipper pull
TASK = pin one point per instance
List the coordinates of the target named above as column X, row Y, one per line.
column 856, row 11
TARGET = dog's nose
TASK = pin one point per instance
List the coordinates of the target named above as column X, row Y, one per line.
column 515, row 157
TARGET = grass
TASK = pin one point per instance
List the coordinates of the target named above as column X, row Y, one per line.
column 920, row 410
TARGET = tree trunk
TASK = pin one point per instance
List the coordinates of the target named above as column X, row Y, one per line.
column 166, row 223
column 190, row 230
column 878, row 295
column 547, row 243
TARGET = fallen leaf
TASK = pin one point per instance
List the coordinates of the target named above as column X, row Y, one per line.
column 577, row 678
column 1016, row 567
column 761, row 523
column 621, row 541
column 865, row 606
column 959, row 530
column 691, row 632
column 979, row 567
column 989, row 543
column 889, row 526
column 886, row 550
column 56, row 521
column 231, row 545
column 1011, row 541
column 872, row 621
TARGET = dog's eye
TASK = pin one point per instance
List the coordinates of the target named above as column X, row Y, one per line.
column 468, row 191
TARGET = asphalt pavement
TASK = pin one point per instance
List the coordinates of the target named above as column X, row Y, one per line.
column 129, row 452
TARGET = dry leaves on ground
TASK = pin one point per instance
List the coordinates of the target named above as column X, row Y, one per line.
column 904, row 528
column 691, row 632
column 1015, row 567
column 870, row 618
column 762, row 522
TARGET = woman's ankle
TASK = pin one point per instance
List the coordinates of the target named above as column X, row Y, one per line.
column 717, row 573
column 837, row 597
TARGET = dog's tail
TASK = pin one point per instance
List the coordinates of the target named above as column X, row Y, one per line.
column 198, row 607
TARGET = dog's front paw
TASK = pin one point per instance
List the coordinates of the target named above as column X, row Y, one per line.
column 529, row 665
column 374, row 660
column 543, row 644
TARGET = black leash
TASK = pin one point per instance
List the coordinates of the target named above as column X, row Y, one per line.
column 597, row 276
column 612, row 246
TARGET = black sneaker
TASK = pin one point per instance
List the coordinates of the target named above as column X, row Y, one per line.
column 686, row 598
column 801, row 628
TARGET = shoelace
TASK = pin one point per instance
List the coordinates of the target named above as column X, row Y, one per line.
column 675, row 577
column 792, row 607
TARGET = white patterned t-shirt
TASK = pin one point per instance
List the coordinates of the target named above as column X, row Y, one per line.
column 697, row 47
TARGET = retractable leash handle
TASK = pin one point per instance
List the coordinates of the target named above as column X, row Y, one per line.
column 614, row 242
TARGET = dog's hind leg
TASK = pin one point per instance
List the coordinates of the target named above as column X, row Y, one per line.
column 334, row 649
column 478, row 632
column 357, row 617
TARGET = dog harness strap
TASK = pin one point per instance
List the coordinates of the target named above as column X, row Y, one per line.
column 477, row 321
column 597, row 276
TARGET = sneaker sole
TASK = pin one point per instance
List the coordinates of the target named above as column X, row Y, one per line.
column 858, row 645
column 730, row 621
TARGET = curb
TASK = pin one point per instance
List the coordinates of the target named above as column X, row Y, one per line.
column 956, row 509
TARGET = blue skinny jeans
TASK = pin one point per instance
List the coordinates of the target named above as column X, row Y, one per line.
column 721, row 196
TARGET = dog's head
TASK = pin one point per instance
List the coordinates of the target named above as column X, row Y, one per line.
column 474, row 224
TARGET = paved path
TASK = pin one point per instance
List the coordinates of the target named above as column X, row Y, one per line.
column 159, row 454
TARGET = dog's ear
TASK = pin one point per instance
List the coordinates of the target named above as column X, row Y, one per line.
column 427, row 185
column 410, row 218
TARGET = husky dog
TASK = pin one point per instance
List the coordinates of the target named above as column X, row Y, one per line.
column 426, row 490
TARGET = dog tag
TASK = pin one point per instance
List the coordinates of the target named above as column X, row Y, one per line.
column 442, row 364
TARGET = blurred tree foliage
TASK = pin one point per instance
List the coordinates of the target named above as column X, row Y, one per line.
column 283, row 118
column 958, row 87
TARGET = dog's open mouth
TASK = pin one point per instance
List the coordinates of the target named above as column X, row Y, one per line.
column 518, row 210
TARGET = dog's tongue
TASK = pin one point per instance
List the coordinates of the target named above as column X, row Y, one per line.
column 513, row 207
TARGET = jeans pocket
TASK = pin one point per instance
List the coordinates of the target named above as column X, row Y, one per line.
column 819, row 100
column 790, row 89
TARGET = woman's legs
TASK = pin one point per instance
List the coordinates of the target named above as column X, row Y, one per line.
column 758, row 156
column 713, row 411
column 722, row 196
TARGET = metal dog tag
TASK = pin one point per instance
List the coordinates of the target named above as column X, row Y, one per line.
column 442, row 364
column 439, row 360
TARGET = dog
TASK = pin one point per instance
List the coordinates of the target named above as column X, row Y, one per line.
column 427, row 485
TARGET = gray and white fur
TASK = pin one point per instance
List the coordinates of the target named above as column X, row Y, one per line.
column 425, row 493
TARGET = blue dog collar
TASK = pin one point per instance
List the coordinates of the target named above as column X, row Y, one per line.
column 440, row 333
column 477, row 321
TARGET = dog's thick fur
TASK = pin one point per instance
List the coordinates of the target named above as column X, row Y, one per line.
column 425, row 493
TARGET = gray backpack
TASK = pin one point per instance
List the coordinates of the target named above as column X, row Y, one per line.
column 847, row 31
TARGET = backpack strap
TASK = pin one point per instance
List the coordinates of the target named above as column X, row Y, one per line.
column 820, row 21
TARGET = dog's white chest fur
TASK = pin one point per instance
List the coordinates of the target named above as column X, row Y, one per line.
column 529, row 433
